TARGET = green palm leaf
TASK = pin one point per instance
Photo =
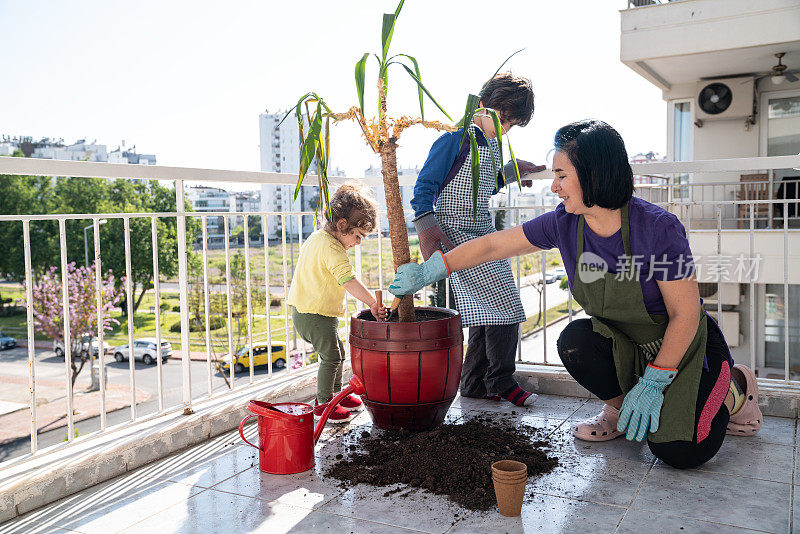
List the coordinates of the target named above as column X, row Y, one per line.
column 472, row 105
column 360, row 74
column 475, row 164
column 516, row 168
column 419, row 87
column 309, row 148
column 498, row 130
column 388, row 29
column 506, row 61
column 423, row 88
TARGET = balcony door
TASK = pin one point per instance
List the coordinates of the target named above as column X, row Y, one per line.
column 780, row 136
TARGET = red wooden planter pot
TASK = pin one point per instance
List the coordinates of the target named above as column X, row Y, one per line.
column 411, row 371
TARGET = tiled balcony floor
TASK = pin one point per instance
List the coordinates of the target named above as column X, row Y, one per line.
column 615, row 486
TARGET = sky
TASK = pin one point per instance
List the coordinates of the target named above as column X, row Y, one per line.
column 187, row 80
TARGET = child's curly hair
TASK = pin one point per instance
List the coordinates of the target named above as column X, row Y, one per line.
column 355, row 206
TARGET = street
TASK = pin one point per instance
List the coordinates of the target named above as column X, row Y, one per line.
column 49, row 369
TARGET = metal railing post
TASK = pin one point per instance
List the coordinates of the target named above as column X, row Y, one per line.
column 26, row 238
column 183, row 285
column 129, row 310
column 101, row 353
column 157, row 310
column 67, row 340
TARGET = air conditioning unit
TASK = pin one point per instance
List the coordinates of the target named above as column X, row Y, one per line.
column 729, row 326
column 711, row 292
column 725, row 98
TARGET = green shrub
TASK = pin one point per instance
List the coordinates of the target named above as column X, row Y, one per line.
column 215, row 323
column 176, row 309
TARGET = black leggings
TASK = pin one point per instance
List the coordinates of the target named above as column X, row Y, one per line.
column 588, row 357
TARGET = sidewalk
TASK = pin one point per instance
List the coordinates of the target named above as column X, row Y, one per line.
column 51, row 403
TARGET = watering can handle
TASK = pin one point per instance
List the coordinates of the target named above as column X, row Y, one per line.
column 241, row 430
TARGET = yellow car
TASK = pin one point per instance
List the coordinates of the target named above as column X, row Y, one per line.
column 260, row 357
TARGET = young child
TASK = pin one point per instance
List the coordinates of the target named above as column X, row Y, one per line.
column 486, row 295
column 322, row 276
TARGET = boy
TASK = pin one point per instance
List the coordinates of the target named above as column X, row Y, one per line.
column 486, row 295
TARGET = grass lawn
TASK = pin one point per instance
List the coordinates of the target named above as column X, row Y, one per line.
column 552, row 314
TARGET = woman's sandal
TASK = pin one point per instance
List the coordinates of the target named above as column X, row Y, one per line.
column 748, row 420
column 601, row 427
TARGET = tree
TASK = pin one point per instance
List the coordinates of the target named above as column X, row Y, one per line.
column 218, row 308
column 500, row 217
column 381, row 135
column 25, row 195
column 539, row 286
column 48, row 316
column 563, row 284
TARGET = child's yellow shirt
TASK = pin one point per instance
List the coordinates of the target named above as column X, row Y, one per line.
column 321, row 270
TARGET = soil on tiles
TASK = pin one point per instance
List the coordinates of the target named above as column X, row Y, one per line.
column 452, row 460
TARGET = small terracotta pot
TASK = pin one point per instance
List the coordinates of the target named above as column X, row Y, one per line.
column 509, row 478
column 508, row 469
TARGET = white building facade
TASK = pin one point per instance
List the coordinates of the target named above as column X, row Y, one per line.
column 80, row 150
column 408, row 175
column 280, row 152
column 718, row 64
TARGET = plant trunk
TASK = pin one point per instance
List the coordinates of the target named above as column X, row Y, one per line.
column 138, row 300
column 398, row 233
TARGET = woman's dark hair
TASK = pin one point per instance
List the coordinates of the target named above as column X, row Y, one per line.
column 350, row 203
column 597, row 152
column 511, row 95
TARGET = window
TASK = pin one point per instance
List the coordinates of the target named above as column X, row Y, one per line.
column 775, row 327
column 780, row 136
column 682, row 142
column 783, row 126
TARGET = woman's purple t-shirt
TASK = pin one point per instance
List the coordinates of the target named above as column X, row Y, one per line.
column 659, row 246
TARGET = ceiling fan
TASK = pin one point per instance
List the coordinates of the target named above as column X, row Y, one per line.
column 780, row 72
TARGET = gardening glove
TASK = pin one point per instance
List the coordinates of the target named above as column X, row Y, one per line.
column 412, row 277
column 431, row 236
column 525, row 168
column 641, row 407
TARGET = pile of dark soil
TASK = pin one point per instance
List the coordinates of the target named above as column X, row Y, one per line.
column 453, row 460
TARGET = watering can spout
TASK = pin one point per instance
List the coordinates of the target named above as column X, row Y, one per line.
column 356, row 386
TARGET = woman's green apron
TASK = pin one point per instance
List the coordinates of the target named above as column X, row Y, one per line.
column 616, row 305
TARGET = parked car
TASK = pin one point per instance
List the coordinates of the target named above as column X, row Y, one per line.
column 7, row 342
column 84, row 342
column 549, row 277
column 260, row 357
column 560, row 272
column 144, row 349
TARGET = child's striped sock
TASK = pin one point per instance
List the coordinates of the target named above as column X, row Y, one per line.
column 518, row 396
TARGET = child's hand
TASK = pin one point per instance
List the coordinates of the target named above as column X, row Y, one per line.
column 378, row 311
column 525, row 168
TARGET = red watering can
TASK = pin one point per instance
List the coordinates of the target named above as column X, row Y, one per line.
column 286, row 431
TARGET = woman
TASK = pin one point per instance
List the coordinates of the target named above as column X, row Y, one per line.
column 649, row 351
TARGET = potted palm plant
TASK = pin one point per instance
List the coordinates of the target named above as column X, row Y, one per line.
column 410, row 369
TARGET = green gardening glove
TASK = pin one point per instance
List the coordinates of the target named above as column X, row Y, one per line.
column 641, row 407
column 412, row 277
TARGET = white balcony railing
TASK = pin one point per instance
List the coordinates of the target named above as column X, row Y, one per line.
column 667, row 184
